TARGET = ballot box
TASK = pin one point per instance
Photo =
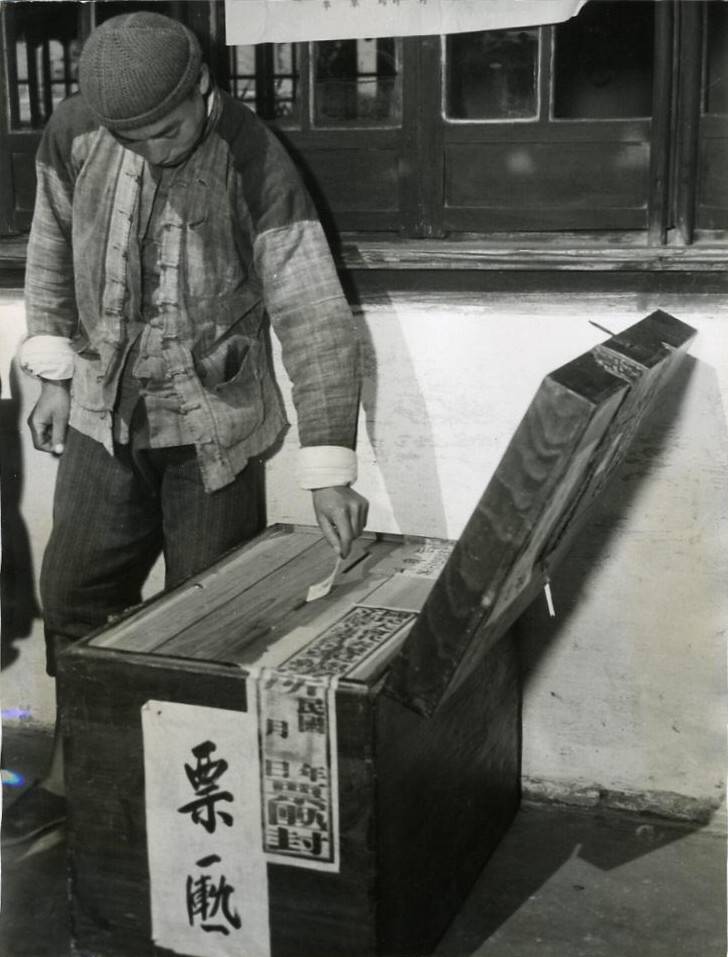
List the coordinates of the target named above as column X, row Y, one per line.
column 253, row 773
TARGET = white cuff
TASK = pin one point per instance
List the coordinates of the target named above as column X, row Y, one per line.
column 321, row 466
column 48, row 357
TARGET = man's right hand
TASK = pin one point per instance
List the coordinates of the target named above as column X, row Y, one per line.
column 49, row 419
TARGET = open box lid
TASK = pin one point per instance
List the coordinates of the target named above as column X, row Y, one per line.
column 572, row 438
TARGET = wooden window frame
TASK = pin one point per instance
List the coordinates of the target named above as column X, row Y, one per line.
column 413, row 221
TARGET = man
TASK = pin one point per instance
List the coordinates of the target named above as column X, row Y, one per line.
column 169, row 224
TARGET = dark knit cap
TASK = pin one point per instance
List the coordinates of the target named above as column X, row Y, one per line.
column 136, row 68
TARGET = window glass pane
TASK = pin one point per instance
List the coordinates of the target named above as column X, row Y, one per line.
column 603, row 62
column 492, row 75
column 716, row 86
column 266, row 78
column 357, row 83
column 42, row 59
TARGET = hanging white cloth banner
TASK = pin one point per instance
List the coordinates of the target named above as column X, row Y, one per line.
column 290, row 21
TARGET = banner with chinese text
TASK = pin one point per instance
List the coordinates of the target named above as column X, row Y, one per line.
column 289, row 21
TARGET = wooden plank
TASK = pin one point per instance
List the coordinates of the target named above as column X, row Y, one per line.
column 229, row 627
column 159, row 620
column 363, row 180
column 543, row 463
column 570, row 442
column 687, row 119
column 536, row 216
column 588, row 252
column 661, row 143
column 512, row 251
column 591, row 177
column 255, row 622
column 645, row 355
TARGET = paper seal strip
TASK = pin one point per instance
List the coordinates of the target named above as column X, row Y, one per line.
column 299, row 772
column 346, row 644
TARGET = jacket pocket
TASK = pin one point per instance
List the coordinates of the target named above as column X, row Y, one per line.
column 231, row 374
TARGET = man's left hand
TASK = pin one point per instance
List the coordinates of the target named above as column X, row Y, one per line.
column 341, row 514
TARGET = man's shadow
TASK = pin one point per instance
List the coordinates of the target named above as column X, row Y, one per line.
column 396, row 419
column 18, row 604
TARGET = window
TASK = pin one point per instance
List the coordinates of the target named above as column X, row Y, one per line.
column 267, row 79
column 354, row 83
column 603, row 62
column 492, row 75
column 504, row 130
column 612, row 121
column 357, row 83
column 42, row 44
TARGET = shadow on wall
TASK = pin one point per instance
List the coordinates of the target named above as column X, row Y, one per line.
column 540, row 848
column 399, row 427
column 18, row 605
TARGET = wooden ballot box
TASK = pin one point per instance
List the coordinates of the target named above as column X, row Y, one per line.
column 250, row 773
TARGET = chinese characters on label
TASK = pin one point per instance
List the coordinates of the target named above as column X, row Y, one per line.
column 208, row 873
column 298, row 764
column 203, row 777
column 428, row 559
column 208, row 897
column 348, row 642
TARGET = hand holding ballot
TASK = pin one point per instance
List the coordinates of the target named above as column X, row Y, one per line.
column 341, row 514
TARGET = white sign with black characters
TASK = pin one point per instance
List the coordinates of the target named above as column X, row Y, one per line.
column 209, row 886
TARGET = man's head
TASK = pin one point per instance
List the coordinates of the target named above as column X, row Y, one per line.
column 142, row 76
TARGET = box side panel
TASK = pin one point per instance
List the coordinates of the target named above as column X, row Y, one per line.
column 447, row 790
column 101, row 696
column 320, row 914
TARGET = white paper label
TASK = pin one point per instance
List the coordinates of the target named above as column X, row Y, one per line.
column 428, row 559
column 209, row 885
column 300, row 775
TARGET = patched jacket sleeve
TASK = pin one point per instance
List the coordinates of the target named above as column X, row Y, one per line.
column 49, row 288
column 303, row 296
column 313, row 321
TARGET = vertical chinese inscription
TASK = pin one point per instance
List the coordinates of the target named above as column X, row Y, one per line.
column 204, row 779
column 208, row 896
column 208, row 874
column 298, row 766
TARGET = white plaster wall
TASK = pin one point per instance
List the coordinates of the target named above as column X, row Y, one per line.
column 625, row 689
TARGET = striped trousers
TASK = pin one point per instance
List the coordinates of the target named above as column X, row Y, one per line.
column 114, row 515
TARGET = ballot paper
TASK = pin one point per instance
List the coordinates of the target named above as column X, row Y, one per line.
column 321, row 589
column 341, row 566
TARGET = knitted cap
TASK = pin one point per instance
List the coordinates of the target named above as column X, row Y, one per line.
column 136, row 68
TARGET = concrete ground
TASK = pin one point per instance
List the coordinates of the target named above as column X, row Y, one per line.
column 565, row 882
